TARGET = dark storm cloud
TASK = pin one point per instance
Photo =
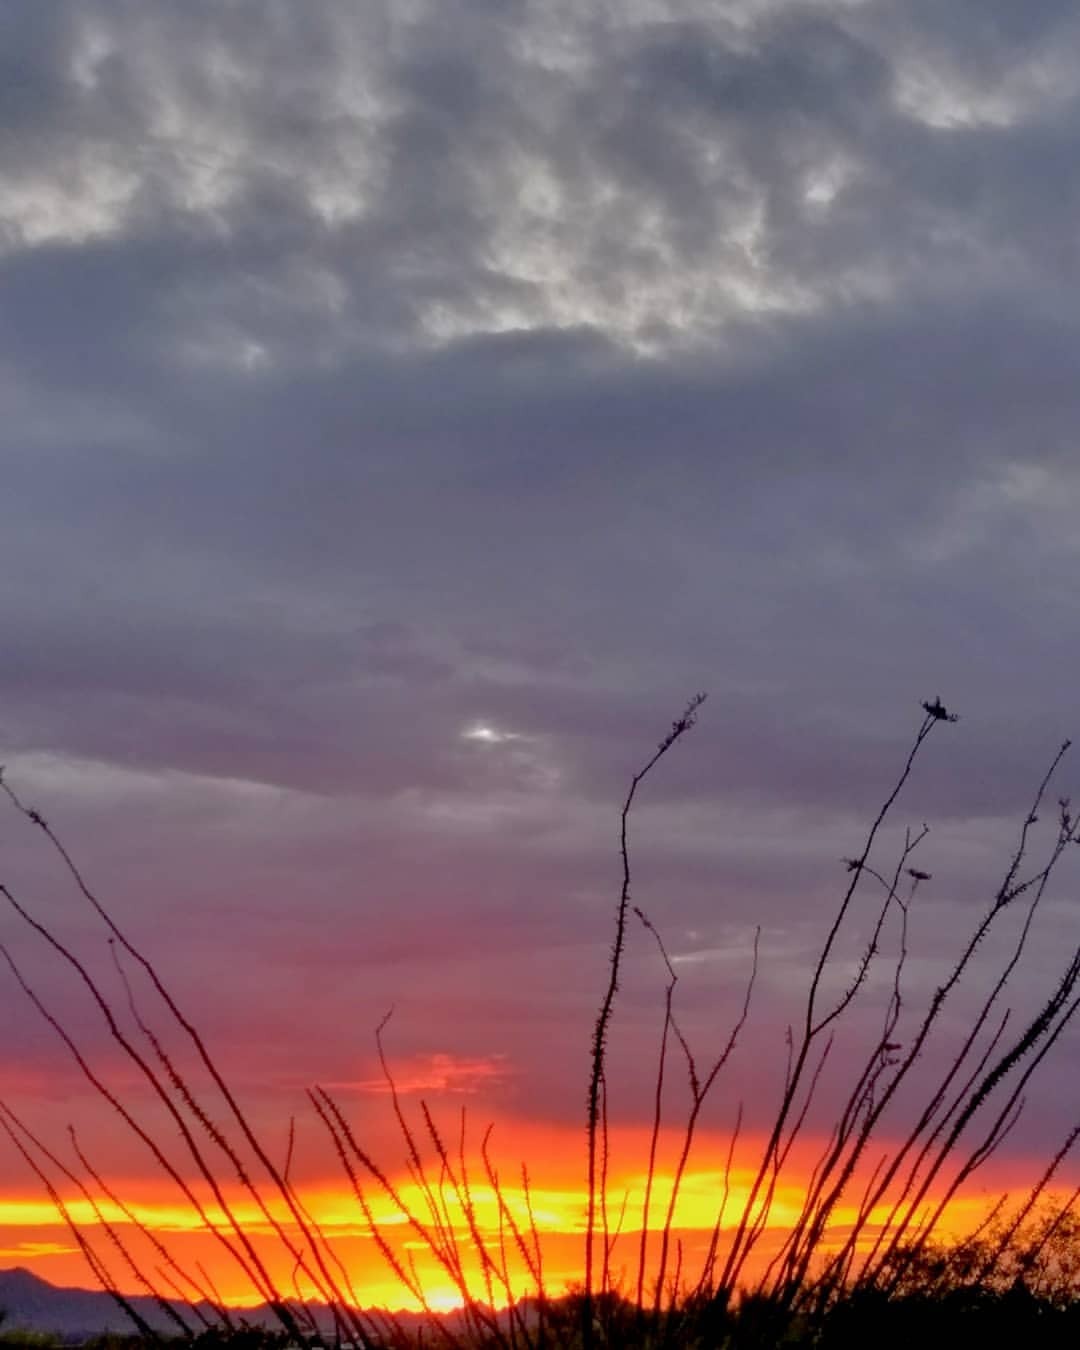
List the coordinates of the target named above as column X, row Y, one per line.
column 375, row 374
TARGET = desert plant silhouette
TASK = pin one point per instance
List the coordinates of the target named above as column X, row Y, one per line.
column 827, row 1275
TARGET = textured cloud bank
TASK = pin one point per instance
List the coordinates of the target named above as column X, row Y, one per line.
column 374, row 374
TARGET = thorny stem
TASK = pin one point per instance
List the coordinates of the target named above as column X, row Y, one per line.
column 745, row 1235
column 599, row 1039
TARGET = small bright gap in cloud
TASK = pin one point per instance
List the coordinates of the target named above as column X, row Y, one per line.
column 486, row 734
column 826, row 181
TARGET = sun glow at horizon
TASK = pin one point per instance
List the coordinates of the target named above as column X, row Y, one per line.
column 550, row 1215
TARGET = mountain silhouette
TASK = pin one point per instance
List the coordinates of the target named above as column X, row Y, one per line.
column 30, row 1303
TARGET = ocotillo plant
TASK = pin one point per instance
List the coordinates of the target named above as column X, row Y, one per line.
column 212, row 1152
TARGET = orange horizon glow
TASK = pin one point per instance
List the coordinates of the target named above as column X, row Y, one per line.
column 34, row 1236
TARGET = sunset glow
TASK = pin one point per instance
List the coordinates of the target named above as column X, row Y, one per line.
column 33, row 1235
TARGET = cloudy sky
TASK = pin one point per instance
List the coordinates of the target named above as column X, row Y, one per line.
column 409, row 404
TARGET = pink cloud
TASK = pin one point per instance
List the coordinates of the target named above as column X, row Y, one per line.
column 440, row 1073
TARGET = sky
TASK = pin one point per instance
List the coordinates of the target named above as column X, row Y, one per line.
column 407, row 407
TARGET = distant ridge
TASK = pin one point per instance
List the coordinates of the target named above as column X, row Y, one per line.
column 30, row 1303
